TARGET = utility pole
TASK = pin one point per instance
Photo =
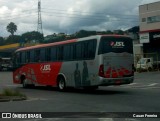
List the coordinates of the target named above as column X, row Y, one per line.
column 39, row 26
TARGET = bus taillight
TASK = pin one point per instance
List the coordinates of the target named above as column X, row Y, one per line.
column 101, row 71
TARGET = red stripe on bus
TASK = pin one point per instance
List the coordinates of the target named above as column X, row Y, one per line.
column 48, row 45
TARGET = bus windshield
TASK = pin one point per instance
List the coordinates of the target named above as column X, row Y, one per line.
column 115, row 44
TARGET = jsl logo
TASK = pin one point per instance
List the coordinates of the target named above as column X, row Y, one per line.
column 46, row 67
column 117, row 44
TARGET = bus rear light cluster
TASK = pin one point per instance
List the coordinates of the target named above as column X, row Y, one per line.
column 101, row 70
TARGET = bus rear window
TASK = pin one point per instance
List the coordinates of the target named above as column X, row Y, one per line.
column 115, row 44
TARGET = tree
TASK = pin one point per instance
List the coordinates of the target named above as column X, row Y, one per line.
column 1, row 40
column 34, row 35
column 120, row 32
column 13, row 39
column 11, row 28
column 84, row 33
column 109, row 32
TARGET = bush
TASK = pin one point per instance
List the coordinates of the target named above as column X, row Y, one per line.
column 9, row 92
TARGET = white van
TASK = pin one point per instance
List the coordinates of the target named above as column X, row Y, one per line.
column 145, row 64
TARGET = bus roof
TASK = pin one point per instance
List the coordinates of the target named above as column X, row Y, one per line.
column 67, row 41
column 47, row 45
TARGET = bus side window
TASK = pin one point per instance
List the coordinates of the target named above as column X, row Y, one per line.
column 37, row 56
column 85, row 50
column 54, row 54
column 74, row 51
column 67, row 53
column 23, row 58
column 32, row 56
column 91, row 49
column 43, row 54
column 78, row 49
column 71, row 51
column 48, row 54
column 17, row 59
column 60, row 53
column 27, row 56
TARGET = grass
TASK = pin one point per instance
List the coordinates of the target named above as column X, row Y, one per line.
column 10, row 92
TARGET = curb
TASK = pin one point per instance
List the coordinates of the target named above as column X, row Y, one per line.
column 11, row 98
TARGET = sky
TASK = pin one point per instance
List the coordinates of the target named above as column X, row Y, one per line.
column 70, row 16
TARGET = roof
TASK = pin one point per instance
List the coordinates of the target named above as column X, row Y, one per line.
column 66, row 42
column 9, row 46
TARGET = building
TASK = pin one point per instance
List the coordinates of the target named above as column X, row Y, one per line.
column 7, row 50
column 150, row 29
column 137, row 47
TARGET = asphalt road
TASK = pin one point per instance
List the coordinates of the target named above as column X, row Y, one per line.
column 141, row 96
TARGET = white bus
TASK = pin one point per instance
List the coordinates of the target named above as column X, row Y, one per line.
column 89, row 62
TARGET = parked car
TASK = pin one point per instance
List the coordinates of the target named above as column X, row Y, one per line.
column 147, row 64
column 5, row 64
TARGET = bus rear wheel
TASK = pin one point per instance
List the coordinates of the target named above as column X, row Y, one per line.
column 61, row 84
column 24, row 83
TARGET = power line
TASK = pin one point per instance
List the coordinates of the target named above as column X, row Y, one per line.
column 18, row 17
column 19, row 11
column 93, row 18
column 8, row 17
column 91, row 13
column 78, row 14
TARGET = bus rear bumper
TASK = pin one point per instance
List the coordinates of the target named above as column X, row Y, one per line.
column 115, row 81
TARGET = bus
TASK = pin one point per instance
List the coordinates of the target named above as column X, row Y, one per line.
column 88, row 62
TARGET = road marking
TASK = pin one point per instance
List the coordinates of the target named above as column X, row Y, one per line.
column 35, row 99
column 106, row 119
column 142, row 86
column 153, row 84
column 132, row 84
column 150, row 88
column 10, row 85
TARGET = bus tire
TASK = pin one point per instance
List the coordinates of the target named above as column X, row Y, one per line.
column 61, row 84
column 24, row 81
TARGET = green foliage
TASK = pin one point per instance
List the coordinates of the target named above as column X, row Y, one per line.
column 13, row 39
column 11, row 28
column 120, row 32
column 84, row 33
column 1, row 41
column 34, row 35
column 9, row 92
column 109, row 32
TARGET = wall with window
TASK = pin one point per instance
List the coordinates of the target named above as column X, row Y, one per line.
column 149, row 16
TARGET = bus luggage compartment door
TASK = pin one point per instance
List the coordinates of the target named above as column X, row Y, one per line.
column 117, row 66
